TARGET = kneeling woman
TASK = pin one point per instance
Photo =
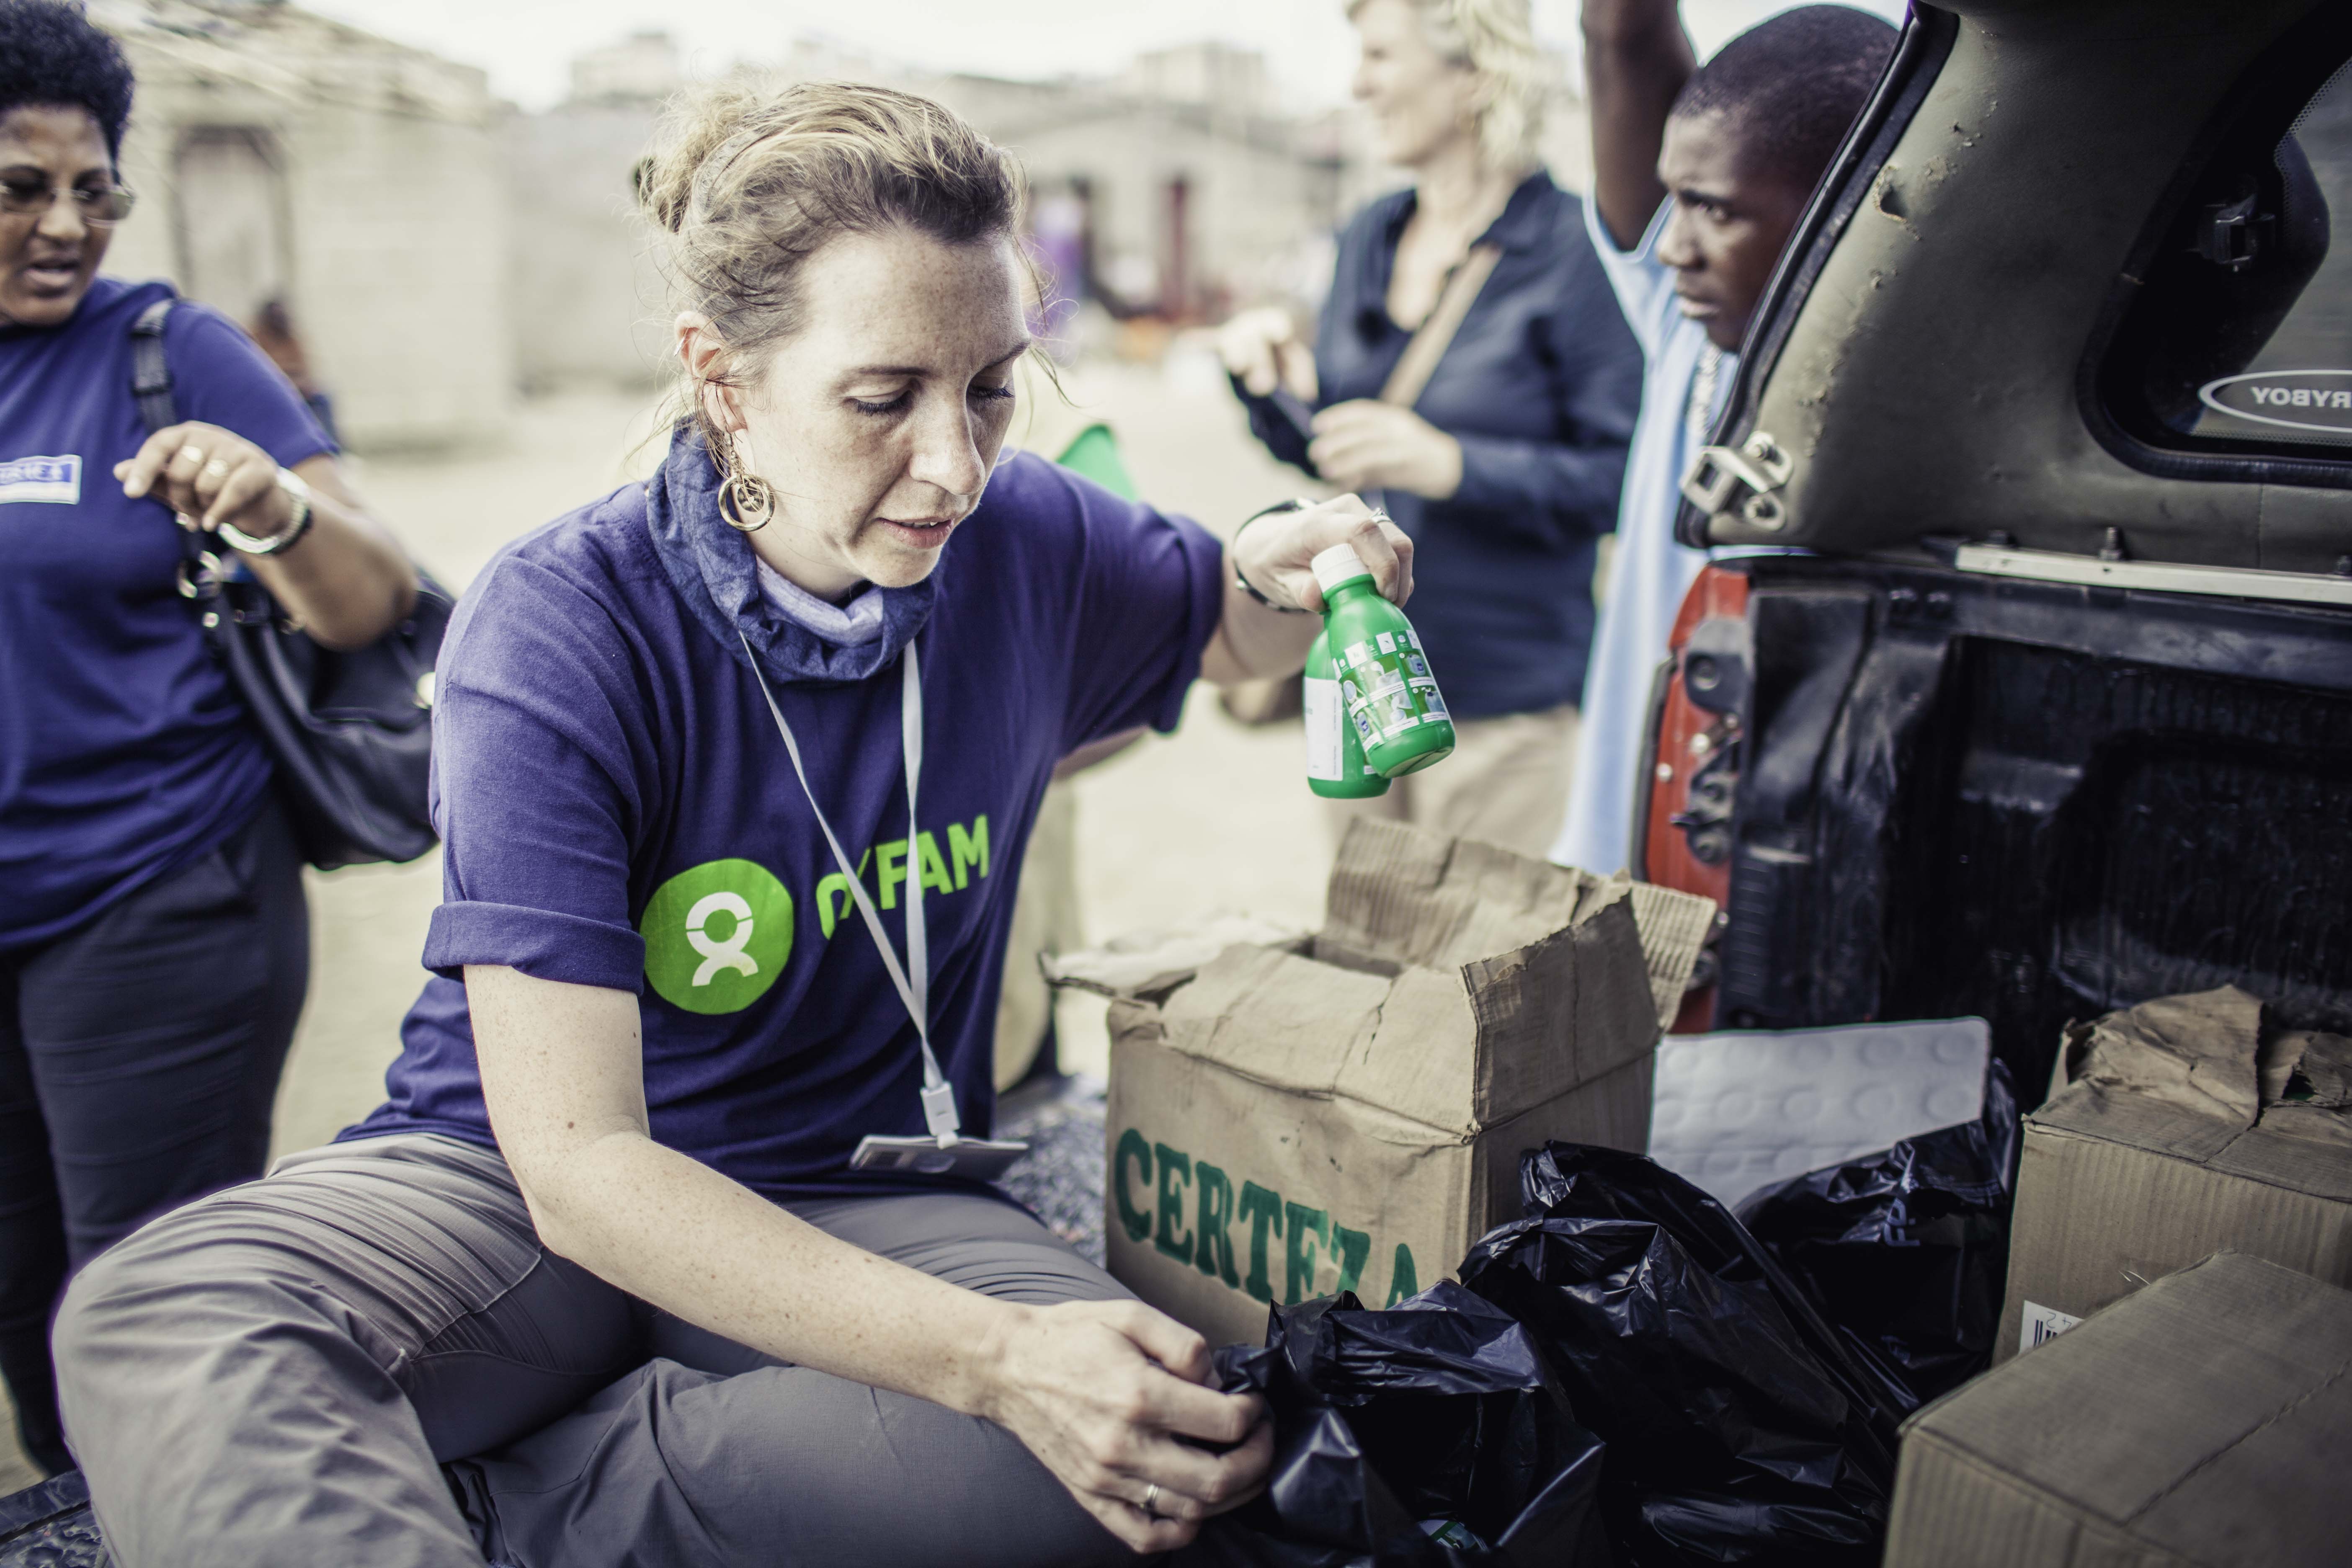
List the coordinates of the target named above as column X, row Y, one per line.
column 734, row 768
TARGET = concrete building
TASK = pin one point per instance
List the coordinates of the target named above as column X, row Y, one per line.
column 281, row 155
column 643, row 65
column 1182, row 190
column 588, row 298
column 1187, row 202
column 1178, row 189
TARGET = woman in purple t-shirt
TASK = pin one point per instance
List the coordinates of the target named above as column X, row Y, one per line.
column 672, row 1242
column 153, row 943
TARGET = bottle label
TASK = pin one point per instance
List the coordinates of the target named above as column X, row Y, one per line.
column 1381, row 701
column 1324, row 714
column 1386, row 687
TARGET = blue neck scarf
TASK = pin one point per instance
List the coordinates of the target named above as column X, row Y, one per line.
column 713, row 570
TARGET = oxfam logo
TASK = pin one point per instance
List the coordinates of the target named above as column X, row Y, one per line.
column 717, row 936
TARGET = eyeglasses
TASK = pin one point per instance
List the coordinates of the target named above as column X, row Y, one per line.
column 97, row 206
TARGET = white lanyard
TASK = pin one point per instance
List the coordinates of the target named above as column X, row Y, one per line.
column 938, row 1095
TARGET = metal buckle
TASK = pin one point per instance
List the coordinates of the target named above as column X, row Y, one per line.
column 202, row 577
column 1758, row 467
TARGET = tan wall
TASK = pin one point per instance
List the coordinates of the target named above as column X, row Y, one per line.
column 589, row 305
column 395, row 215
column 1250, row 208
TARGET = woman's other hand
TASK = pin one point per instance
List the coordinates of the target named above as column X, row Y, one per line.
column 210, row 476
column 347, row 582
column 1262, row 348
column 1366, row 446
column 1112, row 1397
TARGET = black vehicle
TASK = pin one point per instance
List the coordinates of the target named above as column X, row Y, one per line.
column 2047, row 708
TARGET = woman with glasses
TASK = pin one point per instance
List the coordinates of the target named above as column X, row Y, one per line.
column 153, row 941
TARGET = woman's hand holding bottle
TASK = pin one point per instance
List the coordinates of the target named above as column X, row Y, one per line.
column 1275, row 552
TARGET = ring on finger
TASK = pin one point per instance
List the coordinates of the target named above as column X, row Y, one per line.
column 1151, row 1500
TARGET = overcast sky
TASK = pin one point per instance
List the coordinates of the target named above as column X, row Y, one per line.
column 527, row 46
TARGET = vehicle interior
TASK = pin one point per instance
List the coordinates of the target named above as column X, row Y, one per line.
column 2036, row 700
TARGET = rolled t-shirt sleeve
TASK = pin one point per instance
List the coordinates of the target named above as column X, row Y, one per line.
column 220, row 376
column 538, row 752
column 1150, row 592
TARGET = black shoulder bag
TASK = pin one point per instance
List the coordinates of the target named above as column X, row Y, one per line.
column 351, row 733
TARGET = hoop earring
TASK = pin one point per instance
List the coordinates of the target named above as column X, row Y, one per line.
column 746, row 501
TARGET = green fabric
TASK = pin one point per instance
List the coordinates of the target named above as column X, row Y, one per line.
column 1094, row 454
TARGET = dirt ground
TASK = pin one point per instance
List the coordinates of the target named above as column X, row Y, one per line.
column 1214, row 817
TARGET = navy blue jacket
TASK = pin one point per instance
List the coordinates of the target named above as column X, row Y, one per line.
column 1540, row 385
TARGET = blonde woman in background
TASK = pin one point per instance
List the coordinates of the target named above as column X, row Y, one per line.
column 1504, row 468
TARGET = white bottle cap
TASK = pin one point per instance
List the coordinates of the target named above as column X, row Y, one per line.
column 1338, row 565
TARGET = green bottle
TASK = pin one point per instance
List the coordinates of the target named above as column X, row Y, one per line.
column 1391, row 699
column 1336, row 768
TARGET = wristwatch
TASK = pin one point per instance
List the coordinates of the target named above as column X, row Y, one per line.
column 298, row 495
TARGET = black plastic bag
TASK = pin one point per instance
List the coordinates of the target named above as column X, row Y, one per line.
column 50, row 1525
column 1742, row 1427
column 1428, row 1435
column 1908, row 1250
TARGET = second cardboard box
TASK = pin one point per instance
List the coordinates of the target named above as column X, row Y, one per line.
column 1346, row 1112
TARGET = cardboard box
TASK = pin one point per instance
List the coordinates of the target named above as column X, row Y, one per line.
column 1346, row 1112
column 2203, row 1423
column 2165, row 1144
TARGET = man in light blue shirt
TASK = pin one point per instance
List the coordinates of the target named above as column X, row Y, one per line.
column 1700, row 177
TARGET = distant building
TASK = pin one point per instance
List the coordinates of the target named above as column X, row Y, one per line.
column 1170, row 191
column 284, row 156
column 1188, row 202
column 587, row 296
column 644, row 65
column 1207, row 75
column 1178, row 189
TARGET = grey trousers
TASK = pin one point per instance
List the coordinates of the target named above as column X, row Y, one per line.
column 367, row 1358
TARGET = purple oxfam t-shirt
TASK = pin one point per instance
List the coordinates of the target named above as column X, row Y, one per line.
column 620, row 811
column 124, row 751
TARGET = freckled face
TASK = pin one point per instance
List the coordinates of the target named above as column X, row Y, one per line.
column 879, row 423
column 1727, row 226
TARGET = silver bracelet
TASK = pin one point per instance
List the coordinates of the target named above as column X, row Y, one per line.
column 299, row 494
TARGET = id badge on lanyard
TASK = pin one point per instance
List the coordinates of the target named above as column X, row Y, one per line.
column 943, row 1151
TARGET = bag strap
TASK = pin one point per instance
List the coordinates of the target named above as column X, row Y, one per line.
column 151, row 373
column 1436, row 334
column 200, row 575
